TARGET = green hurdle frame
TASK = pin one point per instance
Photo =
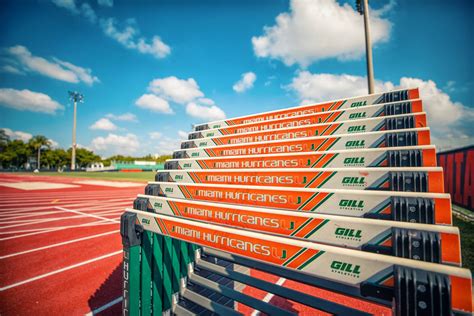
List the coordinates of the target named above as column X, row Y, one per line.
column 154, row 267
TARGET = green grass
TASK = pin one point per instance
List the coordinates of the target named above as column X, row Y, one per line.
column 467, row 242
column 129, row 176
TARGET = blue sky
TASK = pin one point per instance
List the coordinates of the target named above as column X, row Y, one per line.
column 150, row 69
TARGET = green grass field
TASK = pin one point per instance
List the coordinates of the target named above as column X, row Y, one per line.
column 128, row 176
column 467, row 242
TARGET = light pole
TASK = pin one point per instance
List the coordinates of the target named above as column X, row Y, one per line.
column 75, row 97
column 363, row 8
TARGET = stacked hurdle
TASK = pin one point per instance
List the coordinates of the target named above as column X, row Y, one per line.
column 343, row 195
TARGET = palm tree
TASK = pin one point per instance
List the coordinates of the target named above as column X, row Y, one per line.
column 36, row 142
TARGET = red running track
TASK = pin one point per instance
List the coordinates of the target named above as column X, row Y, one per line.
column 61, row 252
column 60, row 249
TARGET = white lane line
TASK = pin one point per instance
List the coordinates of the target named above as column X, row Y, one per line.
column 58, row 244
column 16, row 219
column 104, row 307
column 14, row 206
column 86, row 214
column 92, row 190
column 55, row 195
column 43, row 228
column 61, row 218
column 84, row 205
column 42, row 276
column 46, row 230
column 269, row 296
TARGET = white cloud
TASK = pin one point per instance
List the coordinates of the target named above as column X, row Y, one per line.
column 206, row 101
column 324, row 87
column 57, row 69
column 116, row 144
column 204, row 112
column 155, row 135
column 166, row 146
column 127, row 34
column 66, row 4
column 129, row 37
column 126, row 117
column 26, row 100
column 181, row 91
column 88, row 12
column 156, row 47
column 104, row 124
column 177, row 90
column 442, row 111
column 85, row 9
column 154, row 103
column 13, row 135
column 182, row 134
column 105, row 3
column 318, row 29
column 11, row 69
column 83, row 147
column 451, row 122
column 53, row 144
column 245, row 83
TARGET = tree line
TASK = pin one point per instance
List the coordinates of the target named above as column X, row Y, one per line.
column 17, row 154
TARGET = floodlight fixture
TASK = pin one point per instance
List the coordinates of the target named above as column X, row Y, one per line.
column 75, row 97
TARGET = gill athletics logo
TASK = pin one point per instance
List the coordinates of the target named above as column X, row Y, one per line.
column 348, row 233
column 354, row 161
column 357, row 115
column 356, row 129
column 355, row 144
column 357, row 104
column 352, row 204
column 345, row 268
column 353, row 181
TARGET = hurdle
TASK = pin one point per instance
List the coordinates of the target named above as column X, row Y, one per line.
column 354, row 113
column 387, row 97
column 397, row 122
column 414, row 156
column 368, row 275
column 430, row 208
column 379, row 139
column 391, row 179
column 342, row 196
column 440, row 244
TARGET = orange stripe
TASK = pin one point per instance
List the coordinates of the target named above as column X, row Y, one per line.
column 331, row 129
column 305, row 256
column 318, row 198
column 338, row 105
column 195, row 177
column 322, row 177
column 417, row 106
column 450, row 248
column 461, row 295
column 443, row 211
column 420, row 121
column 328, row 144
column 424, row 138
column 185, row 192
column 332, row 117
column 389, row 282
column 326, row 158
column 413, row 93
column 209, row 152
column 175, row 208
column 387, row 210
column 429, row 158
column 311, row 225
